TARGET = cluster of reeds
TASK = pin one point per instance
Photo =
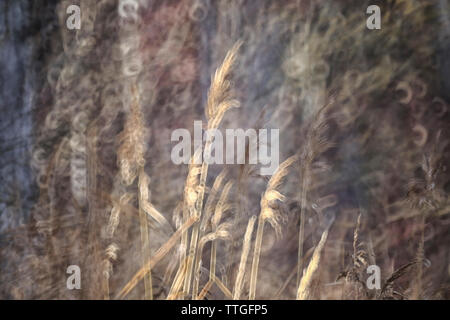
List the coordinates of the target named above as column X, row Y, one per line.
column 210, row 217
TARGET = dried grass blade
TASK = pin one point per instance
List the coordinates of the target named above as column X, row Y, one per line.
column 304, row 289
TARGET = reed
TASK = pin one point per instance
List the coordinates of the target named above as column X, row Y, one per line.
column 218, row 232
column 304, row 289
column 243, row 261
column 316, row 143
column 267, row 213
column 218, row 103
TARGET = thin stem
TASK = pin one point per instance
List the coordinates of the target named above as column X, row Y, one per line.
column 301, row 235
column 205, row 290
column 145, row 246
column 159, row 254
column 243, row 262
column 198, row 213
column 184, row 244
column 256, row 254
column 212, row 268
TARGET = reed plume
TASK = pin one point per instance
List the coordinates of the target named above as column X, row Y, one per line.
column 268, row 213
column 316, row 143
column 304, row 289
column 218, row 103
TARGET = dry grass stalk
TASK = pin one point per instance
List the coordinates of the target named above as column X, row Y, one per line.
column 291, row 275
column 223, row 288
column 217, row 104
column 205, row 290
column 191, row 190
column 424, row 196
column 316, row 143
column 256, row 254
column 132, row 141
column 242, row 189
column 177, row 283
column 268, row 213
column 355, row 240
column 132, row 162
column 92, row 195
column 221, row 207
column 243, row 261
column 209, row 210
column 221, row 232
column 358, row 255
column 219, row 284
column 145, row 204
column 145, row 245
column 110, row 252
column 159, row 254
column 209, row 206
column 111, row 255
column 145, row 207
column 304, row 289
column 394, row 276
